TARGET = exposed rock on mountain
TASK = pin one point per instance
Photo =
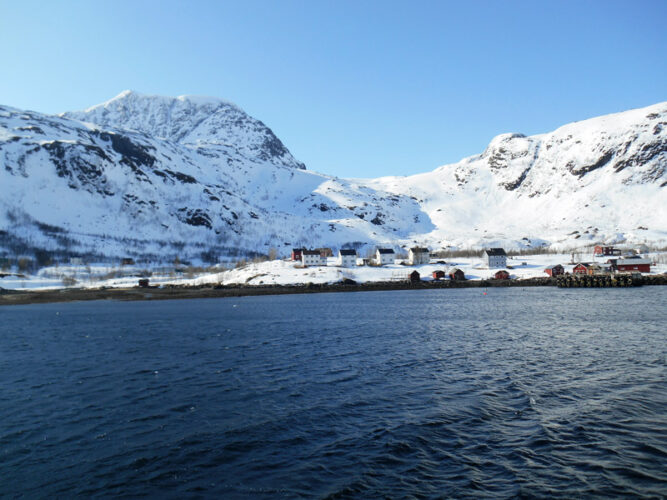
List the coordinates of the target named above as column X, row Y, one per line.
column 199, row 178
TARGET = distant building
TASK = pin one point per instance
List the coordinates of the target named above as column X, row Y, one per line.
column 605, row 250
column 127, row 261
column 439, row 275
column 143, row 283
column 495, row 257
column 556, row 270
column 581, row 268
column 637, row 265
column 325, row 252
column 296, row 253
column 313, row 258
column 385, row 256
column 501, row 275
column 418, row 255
column 456, row 274
column 596, row 269
column 347, row 257
column 591, row 268
column 414, row 277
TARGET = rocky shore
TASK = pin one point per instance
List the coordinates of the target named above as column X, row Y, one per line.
column 169, row 292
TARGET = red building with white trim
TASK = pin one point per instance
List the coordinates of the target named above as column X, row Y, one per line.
column 633, row 265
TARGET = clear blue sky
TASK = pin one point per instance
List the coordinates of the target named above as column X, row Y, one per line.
column 353, row 88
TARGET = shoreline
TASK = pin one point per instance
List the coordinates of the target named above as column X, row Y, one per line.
column 173, row 292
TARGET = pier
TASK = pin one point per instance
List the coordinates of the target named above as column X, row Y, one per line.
column 599, row 280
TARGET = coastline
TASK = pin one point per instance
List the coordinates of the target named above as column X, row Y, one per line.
column 173, row 292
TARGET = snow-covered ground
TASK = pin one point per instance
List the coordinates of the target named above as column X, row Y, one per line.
column 284, row 272
column 157, row 178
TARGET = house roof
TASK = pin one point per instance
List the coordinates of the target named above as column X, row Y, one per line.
column 554, row 266
column 632, row 262
column 297, row 249
column 455, row 270
column 347, row 251
column 385, row 250
column 419, row 250
column 310, row 252
column 495, row 251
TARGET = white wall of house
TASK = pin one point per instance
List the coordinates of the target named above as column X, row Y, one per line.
column 347, row 260
column 417, row 258
column 495, row 261
column 384, row 258
column 313, row 260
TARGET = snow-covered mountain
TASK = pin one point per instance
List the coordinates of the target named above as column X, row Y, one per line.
column 602, row 179
column 193, row 121
column 197, row 177
column 210, row 179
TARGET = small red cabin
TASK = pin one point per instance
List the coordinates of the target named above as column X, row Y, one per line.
column 604, row 250
column 556, row 270
column 502, row 275
column 143, row 283
column 296, row 253
column 581, row 268
column 438, row 275
column 456, row 274
column 414, row 277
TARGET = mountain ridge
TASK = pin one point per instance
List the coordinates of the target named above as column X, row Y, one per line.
column 161, row 176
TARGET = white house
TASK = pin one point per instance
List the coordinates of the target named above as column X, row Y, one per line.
column 496, row 257
column 385, row 256
column 313, row 258
column 347, row 257
column 419, row 255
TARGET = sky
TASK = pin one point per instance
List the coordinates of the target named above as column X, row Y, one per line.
column 353, row 88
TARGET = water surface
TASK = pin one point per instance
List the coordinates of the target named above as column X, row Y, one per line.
column 537, row 392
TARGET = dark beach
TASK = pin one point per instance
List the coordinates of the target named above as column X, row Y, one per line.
column 169, row 292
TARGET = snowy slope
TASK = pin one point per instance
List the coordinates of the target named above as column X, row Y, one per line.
column 160, row 177
column 601, row 179
column 68, row 184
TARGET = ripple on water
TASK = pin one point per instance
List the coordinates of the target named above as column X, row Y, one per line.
column 537, row 393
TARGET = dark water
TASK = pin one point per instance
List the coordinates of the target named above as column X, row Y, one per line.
column 518, row 393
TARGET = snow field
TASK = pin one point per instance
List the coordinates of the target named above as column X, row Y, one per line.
column 285, row 272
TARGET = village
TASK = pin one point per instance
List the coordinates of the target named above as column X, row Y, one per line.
column 610, row 260
column 600, row 265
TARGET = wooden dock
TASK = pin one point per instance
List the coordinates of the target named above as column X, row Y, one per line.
column 599, row 280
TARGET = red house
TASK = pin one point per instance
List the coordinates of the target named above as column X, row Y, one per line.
column 456, row 274
column 636, row 265
column 604, row 250
column 414, row 277
column 581, row 268
column 502, row 275
column 296, row 253
column 556, row 270
column 438, row 275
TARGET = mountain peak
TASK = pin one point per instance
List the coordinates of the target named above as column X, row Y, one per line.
column 190, row 120
column 129, row 95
